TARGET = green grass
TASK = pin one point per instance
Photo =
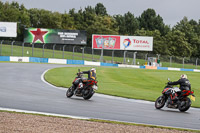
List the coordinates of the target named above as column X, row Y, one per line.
column 38, row 52
column 126, row 82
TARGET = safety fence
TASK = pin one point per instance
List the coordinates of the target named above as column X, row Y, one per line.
column 74, row 52
column 83, row 62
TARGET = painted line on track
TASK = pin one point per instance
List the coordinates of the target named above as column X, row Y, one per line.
column 43, row 113
column 107, row 96
column 81, row 118
column 88, row 118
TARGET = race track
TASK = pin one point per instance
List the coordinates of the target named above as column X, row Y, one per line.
column 21, row 88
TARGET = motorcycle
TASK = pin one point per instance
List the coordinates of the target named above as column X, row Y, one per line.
column 182, row 102
column 88, row 87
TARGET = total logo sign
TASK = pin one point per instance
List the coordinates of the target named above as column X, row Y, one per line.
column 139, row 43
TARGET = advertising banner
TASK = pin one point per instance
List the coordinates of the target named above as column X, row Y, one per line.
column 8, row 29
column 136, row 43
column 105, row 42
column 40, row 35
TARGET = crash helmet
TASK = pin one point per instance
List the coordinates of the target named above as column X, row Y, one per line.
column 93, row 69
column 183, row 76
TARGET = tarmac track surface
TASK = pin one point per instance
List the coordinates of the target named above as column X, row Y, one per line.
column 21, row 88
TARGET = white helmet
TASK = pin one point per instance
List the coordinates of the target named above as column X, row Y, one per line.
column 93, row 69
column 183, row 76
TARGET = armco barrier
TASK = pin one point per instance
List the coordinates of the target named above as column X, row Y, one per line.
column 19, row 59
column 82, row 62
column 182, row 69
column 38, row 60
column 4, row 58
column 57, row 61
column 162, row 68
column 175, row 69
column 108, row 64
column 131, row 66
column 78, row 62
column 90, row 63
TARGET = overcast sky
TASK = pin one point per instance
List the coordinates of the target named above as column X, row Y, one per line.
column 172, row 11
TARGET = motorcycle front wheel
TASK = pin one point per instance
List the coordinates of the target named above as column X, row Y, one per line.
column 184, row 105
column 88, row 93
column 70, row 92
column 160, row 102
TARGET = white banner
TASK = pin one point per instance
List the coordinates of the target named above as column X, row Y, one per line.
column 137, row 43
column 8, row 29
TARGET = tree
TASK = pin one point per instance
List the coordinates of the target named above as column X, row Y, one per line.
column 102, row 25
column 100, row 9
column 131, row 23
column 67, row 21
column 177, row 44
column 127, row 24
column 121, row 24
column 150, row 21
column 190, row 29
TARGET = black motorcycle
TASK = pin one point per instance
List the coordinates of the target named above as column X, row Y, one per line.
column 88, row 87
column 183, row 102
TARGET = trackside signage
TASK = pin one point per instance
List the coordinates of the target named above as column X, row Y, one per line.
column 137, row 43
column 40, row 35
column 8, row 29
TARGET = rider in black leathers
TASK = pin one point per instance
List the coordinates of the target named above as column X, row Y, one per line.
column 184, row 85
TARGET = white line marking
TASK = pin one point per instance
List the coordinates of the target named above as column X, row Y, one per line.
column 44, row 113
column 81, row 118
column 106, row 96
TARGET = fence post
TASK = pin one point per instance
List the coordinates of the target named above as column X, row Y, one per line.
column 113, row 56
column 134, row 58
column 92, row 54
column 83, row 49
column 146, row 55
column 101, row 58
column 1, row 47
column 196, row 62
column 158, row 56
column 43, row 50
column 183, row 61
column 125, row 57
column 73, row 52
column 64, row 51
column 12, row 48
column 32, row 49
column 54, row 49
column 170, row 60
column 22, row 49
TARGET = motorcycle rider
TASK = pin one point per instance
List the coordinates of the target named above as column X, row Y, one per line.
column 91, row 76
column 184, row 86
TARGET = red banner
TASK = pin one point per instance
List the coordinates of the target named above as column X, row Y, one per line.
column 106, row 42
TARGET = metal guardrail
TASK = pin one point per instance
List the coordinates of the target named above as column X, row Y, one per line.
column 87, row 53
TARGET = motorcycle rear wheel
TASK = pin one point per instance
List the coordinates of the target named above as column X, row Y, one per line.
column 184, row 105
column 160, row 102
column 88, row 93
column 70, row 92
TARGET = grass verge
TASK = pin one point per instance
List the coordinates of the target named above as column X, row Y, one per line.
column 126, row 82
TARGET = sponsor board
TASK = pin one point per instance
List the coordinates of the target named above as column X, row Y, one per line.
column 40, row 35
column 105, row 42
column 137, row 43
column 8, row 29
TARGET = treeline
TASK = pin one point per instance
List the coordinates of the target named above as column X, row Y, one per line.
column 183, row 39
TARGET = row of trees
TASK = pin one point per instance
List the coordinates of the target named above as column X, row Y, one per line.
column 183, row 39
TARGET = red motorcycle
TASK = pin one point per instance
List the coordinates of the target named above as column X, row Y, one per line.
column 183, row 102
column 84, row 89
